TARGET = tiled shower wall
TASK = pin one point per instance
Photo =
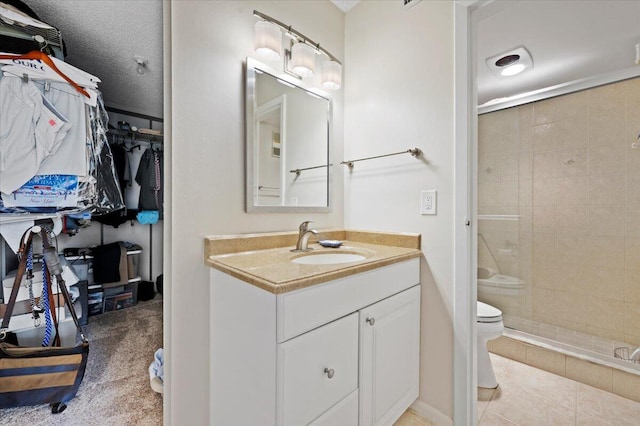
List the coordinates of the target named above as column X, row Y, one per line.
column 566, row 166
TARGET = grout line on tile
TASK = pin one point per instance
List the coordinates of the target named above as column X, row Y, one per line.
column 506, row 369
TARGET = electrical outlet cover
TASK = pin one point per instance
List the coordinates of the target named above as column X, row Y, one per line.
column 428, row 202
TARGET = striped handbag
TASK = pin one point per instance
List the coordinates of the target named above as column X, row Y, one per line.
column 40, row 375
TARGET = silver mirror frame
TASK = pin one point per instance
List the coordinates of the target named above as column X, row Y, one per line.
column 250, row 90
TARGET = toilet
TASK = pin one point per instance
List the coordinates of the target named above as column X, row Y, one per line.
column 490, row 326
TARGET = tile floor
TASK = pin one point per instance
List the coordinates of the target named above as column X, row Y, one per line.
column 411, row 418
column 528, row 396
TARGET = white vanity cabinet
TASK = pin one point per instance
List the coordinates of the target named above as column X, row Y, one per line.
column 339, row 353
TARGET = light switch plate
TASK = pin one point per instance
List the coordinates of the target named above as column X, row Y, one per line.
column 428, row 202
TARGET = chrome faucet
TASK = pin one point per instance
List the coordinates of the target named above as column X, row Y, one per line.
column 303, row 236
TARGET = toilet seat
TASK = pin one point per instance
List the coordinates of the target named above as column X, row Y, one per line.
column 488, row 314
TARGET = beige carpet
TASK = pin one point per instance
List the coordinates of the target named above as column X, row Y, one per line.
column 115, row 389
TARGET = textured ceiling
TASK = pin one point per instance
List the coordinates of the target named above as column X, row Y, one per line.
column 568, row 40
column 103, row 36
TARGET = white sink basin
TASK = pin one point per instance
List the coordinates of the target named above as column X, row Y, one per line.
column 327, row 258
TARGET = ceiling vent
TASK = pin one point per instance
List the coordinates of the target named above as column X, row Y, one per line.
column 409, row 3
column 510, row 63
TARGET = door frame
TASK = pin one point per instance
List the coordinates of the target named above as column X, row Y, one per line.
column 465, row 208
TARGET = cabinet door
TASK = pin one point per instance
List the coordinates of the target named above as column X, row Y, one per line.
column 389, row 357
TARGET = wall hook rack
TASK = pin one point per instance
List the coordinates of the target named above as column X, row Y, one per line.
column 416, row 152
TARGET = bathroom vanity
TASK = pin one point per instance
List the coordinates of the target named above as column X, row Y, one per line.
column 329, row 341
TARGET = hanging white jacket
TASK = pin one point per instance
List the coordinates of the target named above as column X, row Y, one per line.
column 29, row 132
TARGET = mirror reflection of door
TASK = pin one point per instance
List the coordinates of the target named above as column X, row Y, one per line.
column 270, row 157
column 287, row 143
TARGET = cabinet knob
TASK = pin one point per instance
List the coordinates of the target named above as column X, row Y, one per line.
column 329, row 372
column 371, row 321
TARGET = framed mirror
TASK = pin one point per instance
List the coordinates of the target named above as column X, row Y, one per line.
column 287, row 143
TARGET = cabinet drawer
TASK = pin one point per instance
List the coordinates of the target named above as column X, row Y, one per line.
column 305, row 309
column 316, row 370
column 344, row 413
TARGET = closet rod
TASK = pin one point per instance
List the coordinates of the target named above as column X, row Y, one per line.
column 416, row 152
column 133, row 114
column 137, row 135
column 297, row 171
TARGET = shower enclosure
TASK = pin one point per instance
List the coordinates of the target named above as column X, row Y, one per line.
column 559, row 217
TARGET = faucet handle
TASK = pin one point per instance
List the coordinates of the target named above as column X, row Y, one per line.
column 305, row 225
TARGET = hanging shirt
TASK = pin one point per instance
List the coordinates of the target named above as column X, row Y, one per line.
column 149, row 177
column 29, row 133
column 70, row 158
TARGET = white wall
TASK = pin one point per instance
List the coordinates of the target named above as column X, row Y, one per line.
column 399, row 93
column 210, row 40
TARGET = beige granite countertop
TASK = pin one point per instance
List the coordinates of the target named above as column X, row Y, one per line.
column 264, row 260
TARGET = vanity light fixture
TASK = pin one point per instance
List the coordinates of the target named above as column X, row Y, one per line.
column 300, row 59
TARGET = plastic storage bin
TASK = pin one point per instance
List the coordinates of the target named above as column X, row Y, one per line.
column 133, row 262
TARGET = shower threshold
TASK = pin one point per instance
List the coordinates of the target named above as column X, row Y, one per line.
column 575, row 351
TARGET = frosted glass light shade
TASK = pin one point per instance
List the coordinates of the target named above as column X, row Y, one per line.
column 331, row 75
column 303, row 59
column 268, row 40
